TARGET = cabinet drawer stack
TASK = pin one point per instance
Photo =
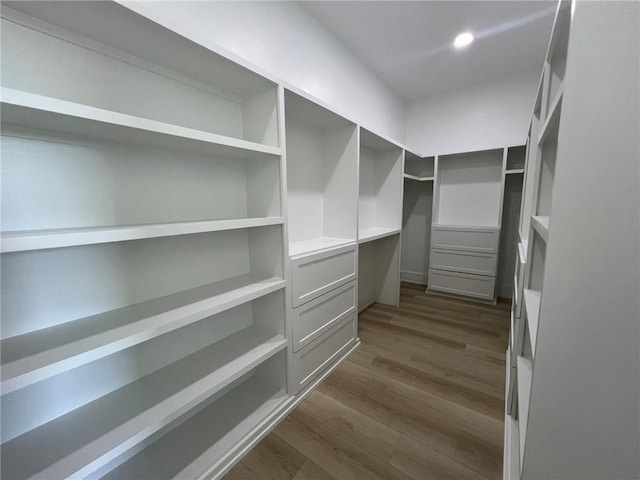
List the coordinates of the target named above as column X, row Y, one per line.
column 463, row 260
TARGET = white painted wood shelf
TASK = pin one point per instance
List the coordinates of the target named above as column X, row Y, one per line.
column 524, row 391
column 514, row 171
column 69, row 237
column 550, row 127
column 84, row 440
column 418, row 179
column 197, row 448
column 540, row 224
column 314, row 245
column 38, row 355
column 34, row 111
column 375, row 233
column 532, row 306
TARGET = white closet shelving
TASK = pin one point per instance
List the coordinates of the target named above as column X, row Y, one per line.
column 581, row 116
column 142, row 247
column 419, row 176
column 379, row 220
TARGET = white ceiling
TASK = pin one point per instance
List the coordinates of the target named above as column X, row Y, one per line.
column 408, row 44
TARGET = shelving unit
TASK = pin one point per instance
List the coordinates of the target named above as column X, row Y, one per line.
column 419, row 175
column 322, row 177
column 379, row 220
column 142, row 244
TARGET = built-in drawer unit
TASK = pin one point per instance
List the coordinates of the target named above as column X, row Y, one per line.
column 318, row 273
column 470, row 239
column 317, row 316
column 464, row 262
column 312, row 360
column 466, row 284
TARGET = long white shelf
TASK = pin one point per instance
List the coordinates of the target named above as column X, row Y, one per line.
column 541, row 225
column 38, row 355
column 208, row 435
column 418, row 179
column 317, row 244
column 37, row 111
column 524, row 391
column 550, row 128
column 514, row 171
column 375, row 233
column 532, row 306
column 69, row 237
column 81, row 442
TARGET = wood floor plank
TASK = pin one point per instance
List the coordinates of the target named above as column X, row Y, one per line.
column 422, row 398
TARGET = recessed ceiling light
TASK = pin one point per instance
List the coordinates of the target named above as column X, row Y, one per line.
column 463, row 40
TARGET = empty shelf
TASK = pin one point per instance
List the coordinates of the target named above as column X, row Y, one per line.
column 199, row 446
column 541, row 225
column 317, row 244
column 552, row 122
column 37, row 355
column 514, row 171
column 68, row 237
column 524, row 392
column 418, row 179
column 375, row 233
column 532, row 306
column 37, row 111
column 82, row 441
column 511, row 468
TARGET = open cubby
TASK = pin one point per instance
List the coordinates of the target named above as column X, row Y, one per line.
column 322, row 176
column 545, row 181
column 417, row 168
column 416, row 231
column 516, row 159
column 557, row 57
column 378, row 270
column 121, row 62
column 469, row 189
column 380, row 185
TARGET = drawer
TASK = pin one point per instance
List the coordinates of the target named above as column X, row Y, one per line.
column 471, row 239
column 317, row 316
column 462, row 284
column 316, row 357
column 466, row 262
column 318, row 273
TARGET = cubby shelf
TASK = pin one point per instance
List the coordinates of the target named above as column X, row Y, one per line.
column 375, row 233
column 532, row 306
column 68, row 237
column 205, row 439
column 318, row 244
column 514, row 171
column 418, row 179
column 38, row 355
column 541, row 225
column 522, row 250
column 30, row 110
column 84, row 440
column 524, row 390
column 550, row 126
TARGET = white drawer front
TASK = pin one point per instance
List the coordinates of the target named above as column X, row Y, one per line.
column 317, row 316
column 472, row 239
column 312, row 360
column 467, row 262
column 462, row 284
column 318, row 273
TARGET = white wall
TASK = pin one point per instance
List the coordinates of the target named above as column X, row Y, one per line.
column 286, row 44
column 487, row 115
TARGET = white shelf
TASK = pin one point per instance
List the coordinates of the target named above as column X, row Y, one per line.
column 318, row 244
column 375, row 233
column 68, row 237
column 419, row 179
column 541, row 225
column 511, row 467
column 522, row 251
column 38, row 355
column 84, row 440
column 514, row 171
column 208, row 435
column 532, row 306
column 524, row 392
column 550, row 127
column 36, row 111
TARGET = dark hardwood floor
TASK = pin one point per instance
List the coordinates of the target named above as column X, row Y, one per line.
column 422, row 398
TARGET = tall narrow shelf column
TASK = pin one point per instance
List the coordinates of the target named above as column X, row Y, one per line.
column 322, row 186
column 419, row 174
column 379, row 220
